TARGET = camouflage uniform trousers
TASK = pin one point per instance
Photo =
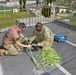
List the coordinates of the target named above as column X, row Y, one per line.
column 11, row 49
column 48, row 44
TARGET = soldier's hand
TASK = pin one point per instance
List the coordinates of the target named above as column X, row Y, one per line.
column 29, row 46
column 37, row 45
column 29, row 43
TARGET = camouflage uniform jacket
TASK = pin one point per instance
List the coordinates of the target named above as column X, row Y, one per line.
column 44, row 38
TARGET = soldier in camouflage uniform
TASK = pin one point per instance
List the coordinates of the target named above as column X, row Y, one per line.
column 11, row 40
column 43, row 36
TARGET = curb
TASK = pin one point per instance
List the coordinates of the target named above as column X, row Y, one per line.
column 65, row 25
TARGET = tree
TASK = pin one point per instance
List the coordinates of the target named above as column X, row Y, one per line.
column 24, row 4
column 20, row 2
column 46, row 10
column 50, row 1
column 37, row 2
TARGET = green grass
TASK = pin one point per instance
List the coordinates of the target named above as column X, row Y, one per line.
column 73, row 23
column 61, row 19
column 58, row 2
column 9, row 18
column 63, row 13
column 74, row 17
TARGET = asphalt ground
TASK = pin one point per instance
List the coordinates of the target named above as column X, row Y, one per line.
column 22, row 64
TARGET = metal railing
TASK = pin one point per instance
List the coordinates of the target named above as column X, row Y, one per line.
column 33, row 14
column 30, row 16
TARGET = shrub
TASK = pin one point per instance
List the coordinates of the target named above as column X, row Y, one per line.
column 46, row 11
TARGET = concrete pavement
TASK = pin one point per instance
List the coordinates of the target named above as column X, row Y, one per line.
column 22, row 64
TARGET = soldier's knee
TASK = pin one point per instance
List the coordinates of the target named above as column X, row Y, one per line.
column 14, row 53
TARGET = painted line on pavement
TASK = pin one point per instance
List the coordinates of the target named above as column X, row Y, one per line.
column 60, row 67
column 63, row 70
column 71, row 43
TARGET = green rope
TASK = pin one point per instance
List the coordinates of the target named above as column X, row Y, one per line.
column 49, row 57
column 38, row 66
column 34, row 60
